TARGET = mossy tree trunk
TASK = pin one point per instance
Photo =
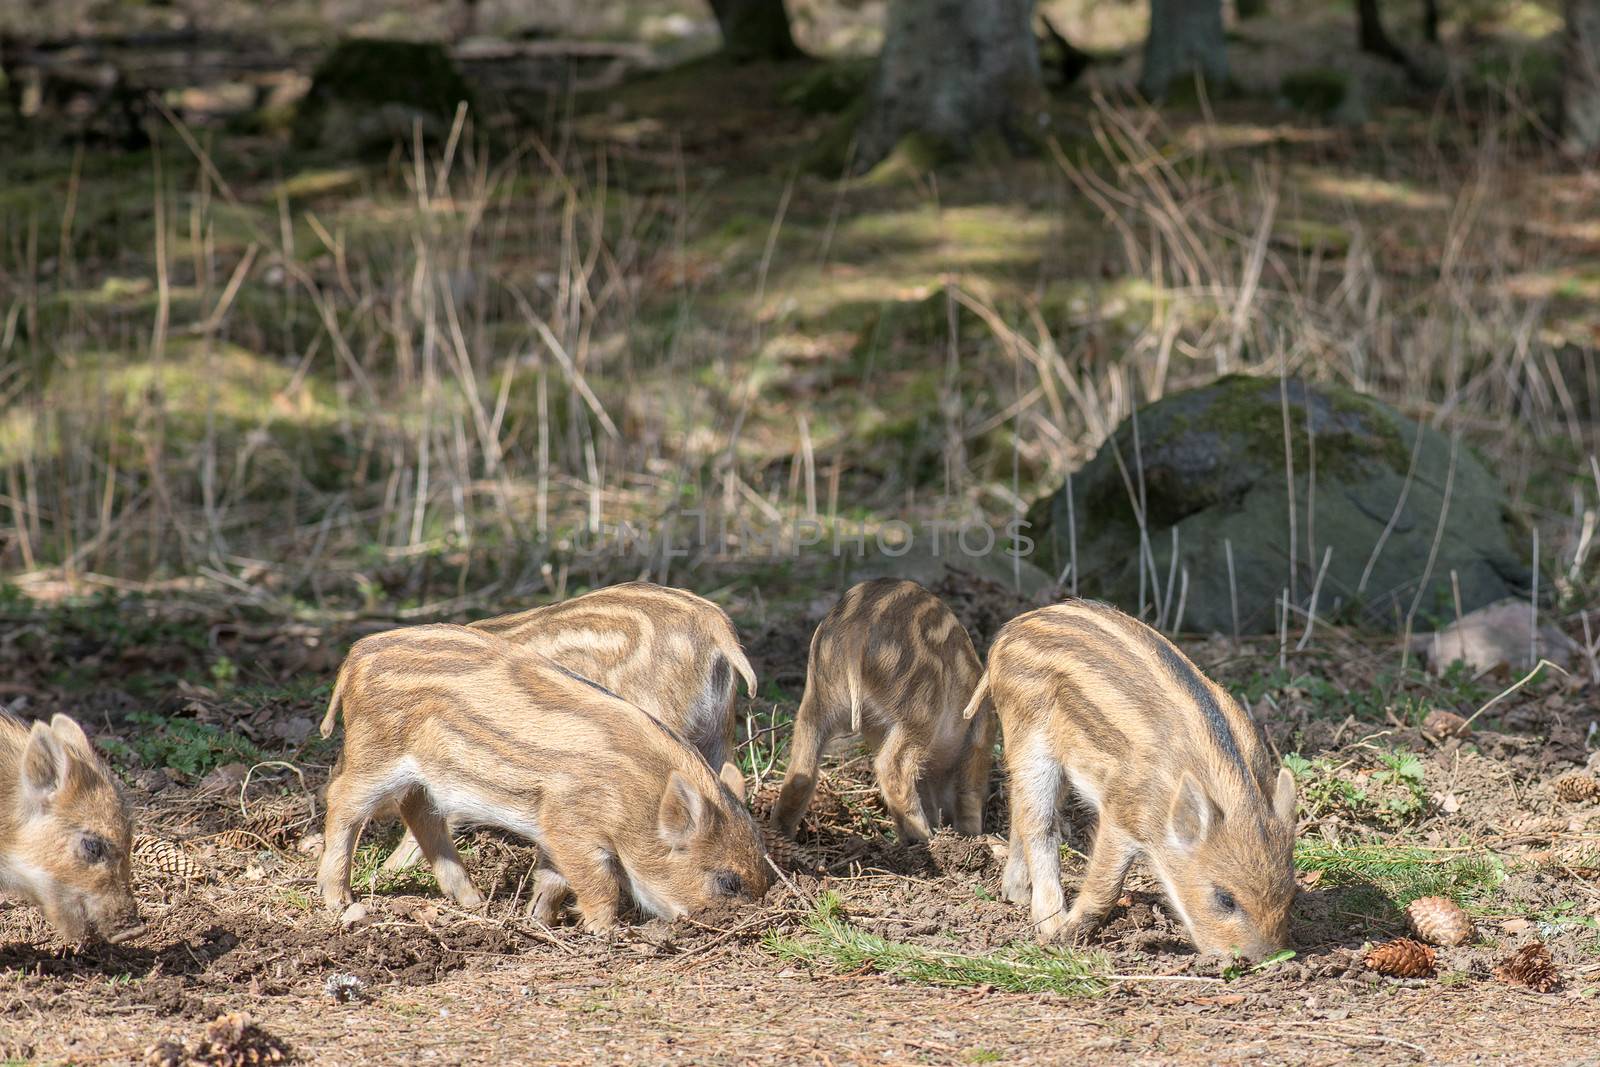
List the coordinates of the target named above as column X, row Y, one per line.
column 1185, row 39
column 1580, row 94
column 950, row 71
column 754, row 29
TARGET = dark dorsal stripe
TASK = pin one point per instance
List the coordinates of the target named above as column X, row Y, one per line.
column 1182, row 672
column 1188, row 676
column 575, row 676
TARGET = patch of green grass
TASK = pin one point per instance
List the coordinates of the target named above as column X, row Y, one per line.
column 1392, row 795
column 1409, row 695
column 1241, row 968
column 833, row 943
column 1569, row 915
column 297, row 899
column 1384, row 878
column 367, row 871
column 194, row 748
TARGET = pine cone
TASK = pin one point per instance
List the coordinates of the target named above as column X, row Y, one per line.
column 765, row 799
column 1439, row 921
column 166, row 857
column 1531, row 966
column 1580, row 859
column 785, row 853
column 1401, row 958
column 827, row 808
column 231, row 1040
column 1442, row 724
column 1577, row 787
column 240, row 840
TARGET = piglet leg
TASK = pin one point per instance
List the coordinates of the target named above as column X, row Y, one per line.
column 347, row 812
column 433, row 836
column 898, row 765
column 589, row 873
column 1109, row 859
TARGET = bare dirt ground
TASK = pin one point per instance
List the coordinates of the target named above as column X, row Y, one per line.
column 207, row 698
column 235, row 929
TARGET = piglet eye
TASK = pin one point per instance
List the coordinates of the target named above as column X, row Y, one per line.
column 729, row 884
column 92, row 849
column 1225, row 901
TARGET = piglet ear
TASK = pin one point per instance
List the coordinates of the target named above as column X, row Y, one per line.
column 683, row 812
column 68, row 732
column 44, row 768
column 1283, row 797
column 1193, row 814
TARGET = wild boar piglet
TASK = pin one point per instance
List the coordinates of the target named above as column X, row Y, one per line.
column 1093, row 700
column 66, row 834
column 668, row 651
column 892, row 663
column 448, row 722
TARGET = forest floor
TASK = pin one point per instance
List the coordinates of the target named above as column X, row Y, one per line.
column 868, row 952
column 256, row 401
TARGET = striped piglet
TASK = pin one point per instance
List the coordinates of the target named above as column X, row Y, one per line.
column 1092, row 699
column 451, row 723
column 892, row 663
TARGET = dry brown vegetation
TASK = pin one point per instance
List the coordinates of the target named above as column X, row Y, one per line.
column 255, row 403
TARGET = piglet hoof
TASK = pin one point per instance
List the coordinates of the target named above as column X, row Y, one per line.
column 1079, row 931
column 354, row 916
column 1016, row 890
column 1051, row 928
column 468, row 897
column 601, row 926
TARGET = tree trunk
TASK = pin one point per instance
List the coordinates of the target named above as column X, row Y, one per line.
column 754, row 29
column 1430, row 21
column 1373, row 37
column 950, row 70
column 1185, row 39
column 1580, row 92
column 1069, row 60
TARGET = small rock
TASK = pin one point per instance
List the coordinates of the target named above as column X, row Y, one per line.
column 1498, row 634
column 1443, row 724
column 293, row 730
column 224, row 779
column 259, row 868
column 153, row 780
column 1516, row 927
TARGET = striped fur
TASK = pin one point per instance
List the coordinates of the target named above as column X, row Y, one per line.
column 66, row 835
column 1092, row 699
column 891, row 662
column 454, row 723
column 672, row 653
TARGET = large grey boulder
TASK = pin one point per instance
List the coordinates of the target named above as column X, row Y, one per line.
column 1209, row 463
